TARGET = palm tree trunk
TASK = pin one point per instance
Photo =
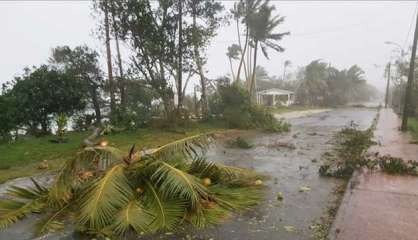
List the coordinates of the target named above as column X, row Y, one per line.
column 241, row 62
column 232, row 70
column 109, row 60
column 249, row 68
column 253, row 79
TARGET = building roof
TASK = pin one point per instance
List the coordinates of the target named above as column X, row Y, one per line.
column 274, row 91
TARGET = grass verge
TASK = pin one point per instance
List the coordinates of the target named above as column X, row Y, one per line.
column 413, row 128
column 23, row 157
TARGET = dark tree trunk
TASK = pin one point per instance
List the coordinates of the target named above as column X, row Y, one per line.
column 253, row 79
column 199, row 64
column 109, row 59
column 121, row 82
column 96, row 105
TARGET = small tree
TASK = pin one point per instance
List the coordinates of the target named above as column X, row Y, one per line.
column 44, row 92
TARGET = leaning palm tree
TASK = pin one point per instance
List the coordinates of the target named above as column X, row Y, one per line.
column 103, row 191
column 261, row 26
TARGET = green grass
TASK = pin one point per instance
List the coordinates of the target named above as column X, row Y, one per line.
column 22, row 158
column 413, row 127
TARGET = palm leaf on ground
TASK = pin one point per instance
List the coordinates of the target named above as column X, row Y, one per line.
column 238, row 198
column 51, row 223
column 102, row 156
column 175, row 183
column 132, row 216
column 192, row 147
column 102, row 199
column 167, row 213
column 205, row 168
column 30, row 199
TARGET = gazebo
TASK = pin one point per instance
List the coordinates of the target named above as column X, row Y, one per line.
column 275, row 97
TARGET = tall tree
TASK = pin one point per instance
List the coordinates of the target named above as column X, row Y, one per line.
column 241, row 12
column 151, row 32
column 206, row 19
column 121, row 79
column 262, row 25
column 82, row 63
column 109, row 57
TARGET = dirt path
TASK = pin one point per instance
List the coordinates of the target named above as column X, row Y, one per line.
column 379, row 206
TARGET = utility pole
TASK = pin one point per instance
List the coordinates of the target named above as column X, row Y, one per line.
column 387, row 88
column 408, row 90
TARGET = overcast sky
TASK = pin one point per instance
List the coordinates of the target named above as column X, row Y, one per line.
column 342, row 33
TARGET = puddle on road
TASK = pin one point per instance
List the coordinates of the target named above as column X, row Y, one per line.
column 289, row 170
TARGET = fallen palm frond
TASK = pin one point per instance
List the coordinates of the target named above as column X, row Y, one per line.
column 104, row 192
column 192, row 146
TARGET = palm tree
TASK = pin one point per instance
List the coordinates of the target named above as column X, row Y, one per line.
column 261, row 26
column 244, row 9
column 287, row 63
column 105, row 192
column 233, row 53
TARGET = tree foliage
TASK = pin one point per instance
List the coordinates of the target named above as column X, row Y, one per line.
column 42, row 93
column 324, row 85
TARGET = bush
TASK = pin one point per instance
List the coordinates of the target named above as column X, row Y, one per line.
column 237, row 118
column 234, row 106
column 239, row 142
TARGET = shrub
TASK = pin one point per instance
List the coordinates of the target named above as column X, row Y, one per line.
column 234, row 106
column 239, row 142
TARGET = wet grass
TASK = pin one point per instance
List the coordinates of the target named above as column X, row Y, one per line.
column 23, row 157
column 413, row 128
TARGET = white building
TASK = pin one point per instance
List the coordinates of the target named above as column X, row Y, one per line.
column 275, row 97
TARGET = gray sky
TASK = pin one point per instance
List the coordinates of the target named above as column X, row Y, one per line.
column 342, row 33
